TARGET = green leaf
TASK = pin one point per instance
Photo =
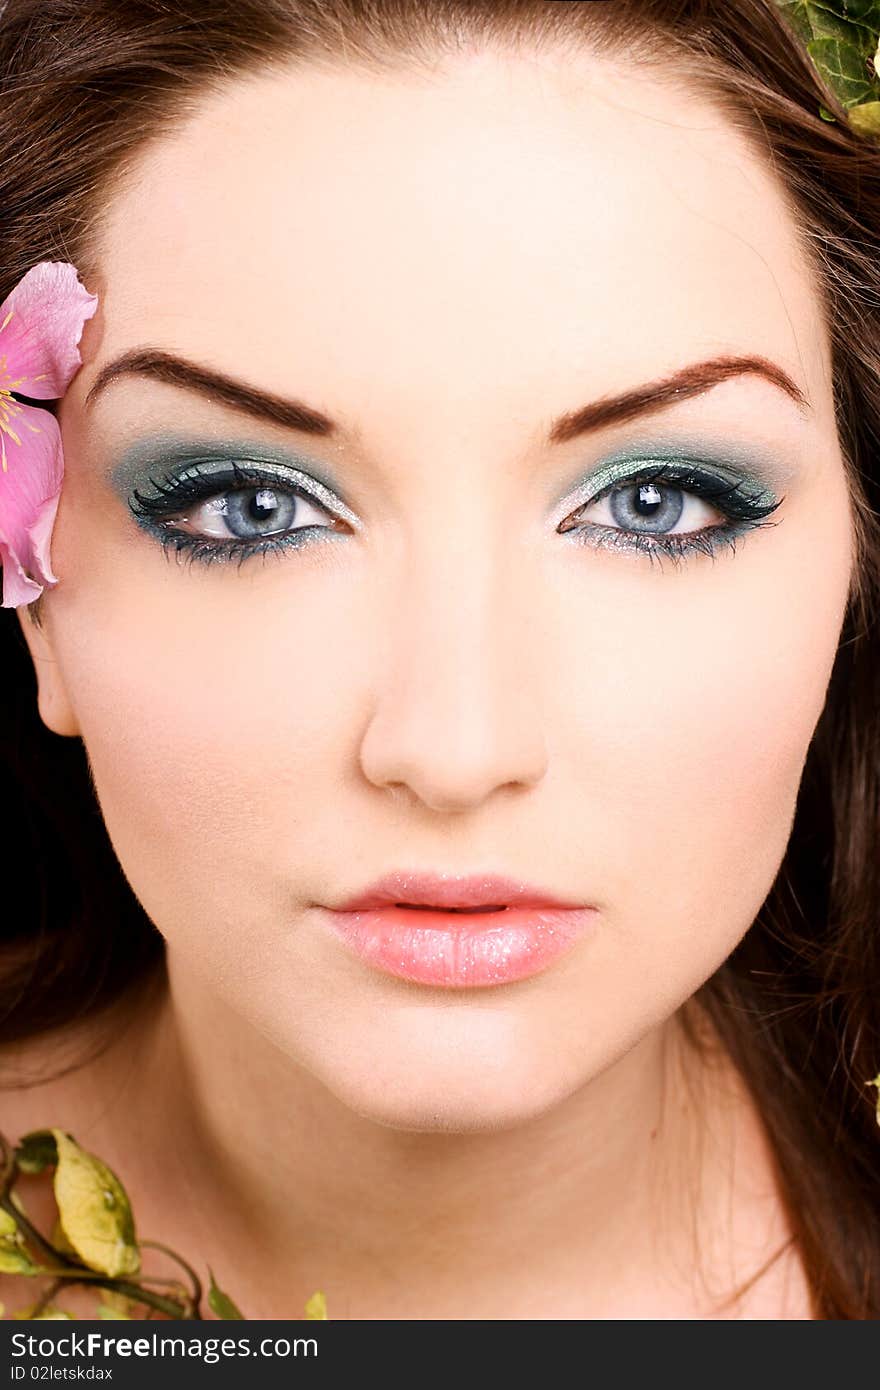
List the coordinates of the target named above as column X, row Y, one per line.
column 14, row 1258
column 865, row 12
column 812, row 19
column 105, row 1312
column 220, row 1302
column 851, row 14
column 36, row 1151
column 842, row 38
column 94, row 1210
column 316, row 1307
column 842, row 66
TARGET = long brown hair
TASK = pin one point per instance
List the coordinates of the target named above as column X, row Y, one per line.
column 83, row 84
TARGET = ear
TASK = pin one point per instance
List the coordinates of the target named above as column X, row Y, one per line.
column 56, row 711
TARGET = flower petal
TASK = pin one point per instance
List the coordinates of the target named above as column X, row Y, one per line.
column 30, row 490
column 41, row 323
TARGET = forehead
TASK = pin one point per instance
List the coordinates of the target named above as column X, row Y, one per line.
column 508, row 219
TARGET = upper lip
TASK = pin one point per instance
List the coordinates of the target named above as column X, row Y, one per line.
column 424, row 889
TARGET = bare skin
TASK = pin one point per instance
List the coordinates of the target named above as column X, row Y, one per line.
column 444, row 267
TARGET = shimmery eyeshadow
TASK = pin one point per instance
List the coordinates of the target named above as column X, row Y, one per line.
column 159, row 456
column 765, row 471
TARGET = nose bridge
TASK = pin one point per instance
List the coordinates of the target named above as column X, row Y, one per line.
column 456, row 712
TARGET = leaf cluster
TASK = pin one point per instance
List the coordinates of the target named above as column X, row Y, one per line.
column 842, row 37
column 93, row 1241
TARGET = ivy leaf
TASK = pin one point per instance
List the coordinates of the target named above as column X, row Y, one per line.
column 316, row 1307
column 842, row 65
column 812, row 19
column 220, row 1302
column 842, row 38
column 14, row 1258
column 865, row 12
column 94, row 1210
column 851, row 14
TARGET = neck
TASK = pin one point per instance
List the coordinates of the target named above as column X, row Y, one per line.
column 646, row 1192
column 600, row 1196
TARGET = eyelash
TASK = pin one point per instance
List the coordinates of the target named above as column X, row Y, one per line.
column 176, row 494
column 744, row 513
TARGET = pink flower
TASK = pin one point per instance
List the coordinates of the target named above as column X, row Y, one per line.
column 41, row 323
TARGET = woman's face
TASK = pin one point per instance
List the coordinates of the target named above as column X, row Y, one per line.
column 432, row 673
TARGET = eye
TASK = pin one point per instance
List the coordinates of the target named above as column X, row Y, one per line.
column 671, row 509
column 245, row 508
column 652, row 507
column 253, row 513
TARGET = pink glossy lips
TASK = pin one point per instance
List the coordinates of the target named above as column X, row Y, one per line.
column 459, row 932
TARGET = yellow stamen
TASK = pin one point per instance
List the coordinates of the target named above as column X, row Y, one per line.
column 6, row 320
column 9, row 408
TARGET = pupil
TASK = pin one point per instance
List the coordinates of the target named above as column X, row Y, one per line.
column 264, row 503
column 648, row 499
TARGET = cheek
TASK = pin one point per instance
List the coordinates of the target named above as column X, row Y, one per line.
column 707, row 701
column 213, row 722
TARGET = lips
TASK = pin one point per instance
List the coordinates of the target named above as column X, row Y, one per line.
column 475, row 892
column 458, row 931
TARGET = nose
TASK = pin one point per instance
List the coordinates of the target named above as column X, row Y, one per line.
column 456, row 714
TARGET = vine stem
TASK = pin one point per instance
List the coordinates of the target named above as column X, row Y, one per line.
column 46, row 1298
column 196, row 1281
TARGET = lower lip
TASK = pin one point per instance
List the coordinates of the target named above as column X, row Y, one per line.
column 459, row 949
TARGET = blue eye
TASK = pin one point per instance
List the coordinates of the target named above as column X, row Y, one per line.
column 647, row 504
column 244, row 510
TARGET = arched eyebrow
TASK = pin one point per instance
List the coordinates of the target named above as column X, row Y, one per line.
column 692, row 380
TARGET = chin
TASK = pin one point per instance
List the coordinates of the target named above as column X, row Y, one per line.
column 467, row 1098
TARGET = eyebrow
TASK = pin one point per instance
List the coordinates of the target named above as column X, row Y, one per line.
column 689, row 381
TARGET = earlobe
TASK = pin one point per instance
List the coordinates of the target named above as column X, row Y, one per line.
column 55, row 709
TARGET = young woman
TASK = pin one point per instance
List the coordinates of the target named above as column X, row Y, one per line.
column 467, row 901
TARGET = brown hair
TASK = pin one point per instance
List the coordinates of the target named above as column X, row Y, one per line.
column 83, row 85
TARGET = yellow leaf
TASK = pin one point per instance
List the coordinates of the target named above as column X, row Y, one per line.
column 59, row 1239
column 865, row 118
column 119, row 1302
column 50, row 1313
column 14, row 1258
column 316, row 1308
column 94, row 1210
